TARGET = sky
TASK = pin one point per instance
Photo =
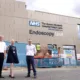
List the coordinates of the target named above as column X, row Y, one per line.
column 62, row 7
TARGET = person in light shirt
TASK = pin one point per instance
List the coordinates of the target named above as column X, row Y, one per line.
column 2, row 54
column 30, row 52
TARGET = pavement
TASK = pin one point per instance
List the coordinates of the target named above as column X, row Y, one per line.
column 63, row 73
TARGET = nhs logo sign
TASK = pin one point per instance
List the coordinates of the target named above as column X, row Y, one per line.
column 34, row 23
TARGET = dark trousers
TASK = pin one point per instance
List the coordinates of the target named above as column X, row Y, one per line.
column 30, row 62
column 1, row 62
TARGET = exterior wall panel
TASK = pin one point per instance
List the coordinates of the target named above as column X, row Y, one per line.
column 14, row 23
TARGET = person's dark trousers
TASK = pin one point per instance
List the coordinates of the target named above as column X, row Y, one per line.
column 30, row 62
column 1, row 62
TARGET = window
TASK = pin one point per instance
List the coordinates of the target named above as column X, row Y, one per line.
column 78, row 31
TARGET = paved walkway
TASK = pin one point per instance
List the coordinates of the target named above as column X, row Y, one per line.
column 69, row 73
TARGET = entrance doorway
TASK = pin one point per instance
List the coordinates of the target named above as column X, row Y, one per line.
column 70, row 54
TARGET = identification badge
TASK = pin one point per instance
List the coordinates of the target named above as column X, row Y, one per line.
column 13, row 51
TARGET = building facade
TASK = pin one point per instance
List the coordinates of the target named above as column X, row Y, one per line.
column 44, row 28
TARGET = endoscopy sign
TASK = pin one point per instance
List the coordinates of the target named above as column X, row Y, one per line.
column 41, row 33
column 57, row 29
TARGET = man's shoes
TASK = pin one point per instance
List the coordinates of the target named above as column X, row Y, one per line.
column 35, row 76
column 1, row 77
column 27, row 76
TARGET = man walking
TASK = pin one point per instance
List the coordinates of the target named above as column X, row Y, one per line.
column 30, row 52
column 2, row 54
